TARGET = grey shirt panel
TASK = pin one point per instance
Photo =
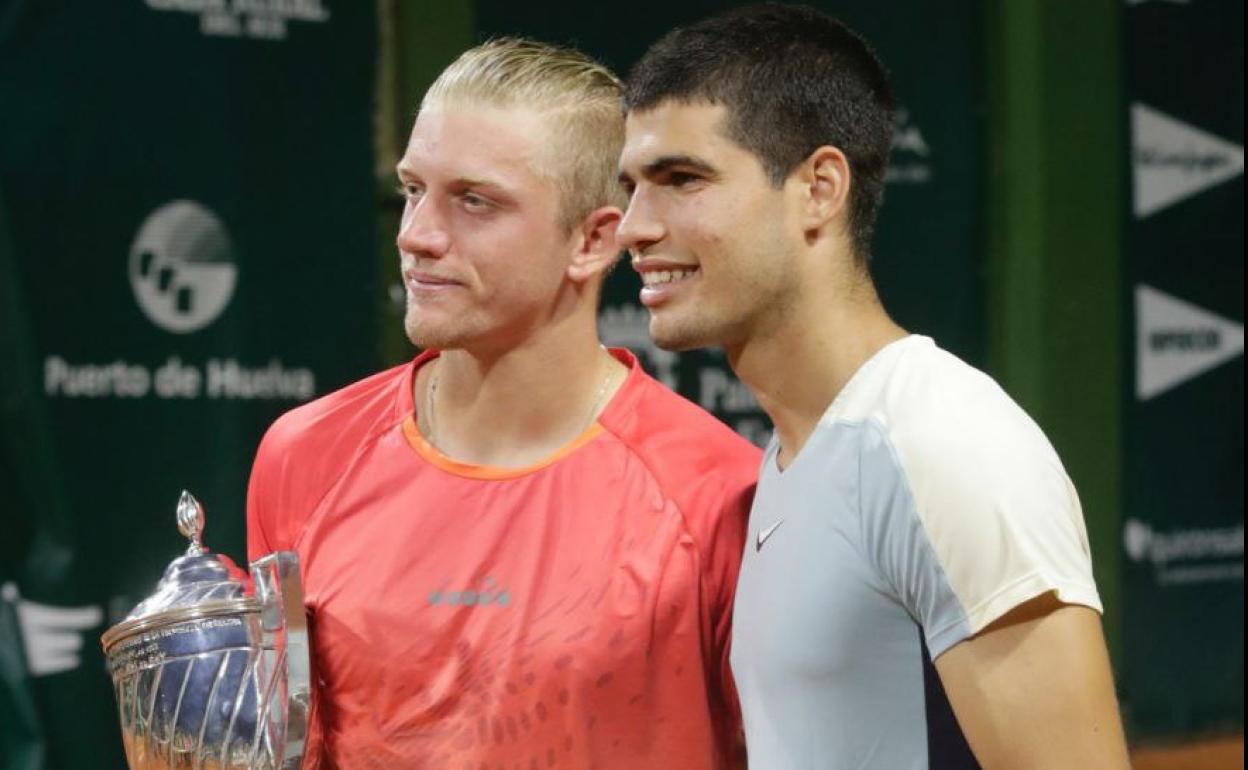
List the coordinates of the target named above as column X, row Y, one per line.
column 827, row 647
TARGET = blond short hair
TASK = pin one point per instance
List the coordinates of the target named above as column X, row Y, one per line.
column 581, row 99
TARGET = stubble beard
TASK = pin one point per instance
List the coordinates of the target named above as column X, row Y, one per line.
column 688, row 333
column 426, row 335
column 730, row 325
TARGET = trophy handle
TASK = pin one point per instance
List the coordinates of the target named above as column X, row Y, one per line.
column 279, row 589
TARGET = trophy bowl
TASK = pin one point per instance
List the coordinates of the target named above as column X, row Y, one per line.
column 208, row 674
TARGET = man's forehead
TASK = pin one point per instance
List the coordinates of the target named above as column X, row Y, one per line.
column 673, row 127
column 473, row 141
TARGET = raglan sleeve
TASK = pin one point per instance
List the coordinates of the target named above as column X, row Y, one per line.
column 970, row 514
column 266, row 498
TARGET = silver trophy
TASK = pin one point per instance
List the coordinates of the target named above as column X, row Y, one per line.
column 209, row 675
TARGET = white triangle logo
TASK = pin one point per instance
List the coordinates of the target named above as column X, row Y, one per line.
column 1173, row 160
column 1175, row 341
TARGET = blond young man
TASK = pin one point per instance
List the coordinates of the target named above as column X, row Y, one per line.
column 917, row 588
column 518, row 550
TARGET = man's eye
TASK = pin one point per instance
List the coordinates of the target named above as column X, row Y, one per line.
column 411, row 191
column 682, row 178
column 474, row 202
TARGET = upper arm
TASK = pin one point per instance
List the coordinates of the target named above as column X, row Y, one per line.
column 968, row 518
column 1034, row 690
column 983, row 541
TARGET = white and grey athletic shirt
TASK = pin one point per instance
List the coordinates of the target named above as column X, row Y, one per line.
column 925, row 505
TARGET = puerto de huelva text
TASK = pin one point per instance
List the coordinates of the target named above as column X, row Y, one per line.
column 218, row 378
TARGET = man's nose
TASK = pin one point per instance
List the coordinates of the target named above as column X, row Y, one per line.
column 640, row 229
column 421, row 231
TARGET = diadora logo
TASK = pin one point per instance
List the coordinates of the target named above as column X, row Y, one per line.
column 489, row 594
column 182, row 267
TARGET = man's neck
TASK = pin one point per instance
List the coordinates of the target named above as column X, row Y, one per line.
column 799, row 366
column 515, row 408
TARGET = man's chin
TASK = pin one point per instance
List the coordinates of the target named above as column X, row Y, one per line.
column 424, row 337
column 679, row 337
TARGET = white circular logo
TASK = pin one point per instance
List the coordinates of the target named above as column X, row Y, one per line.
column 181, row 267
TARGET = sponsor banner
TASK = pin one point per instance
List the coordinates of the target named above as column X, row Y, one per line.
column 1176, row 341
column 1173, row 161
column 1182, row 667
column 186, row 251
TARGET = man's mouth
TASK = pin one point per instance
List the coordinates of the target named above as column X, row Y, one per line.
column 427, row 282
column 661, row 277
column 660, row 285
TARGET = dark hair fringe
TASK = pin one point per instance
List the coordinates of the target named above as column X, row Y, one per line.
column 793, row 79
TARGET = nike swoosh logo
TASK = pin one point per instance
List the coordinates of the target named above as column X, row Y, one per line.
column 766, row 533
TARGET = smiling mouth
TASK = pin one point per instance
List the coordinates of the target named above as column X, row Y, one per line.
column 655, row 278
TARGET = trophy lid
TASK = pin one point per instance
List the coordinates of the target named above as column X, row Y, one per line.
column 195, row 585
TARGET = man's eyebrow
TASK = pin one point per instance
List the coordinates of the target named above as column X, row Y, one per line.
column 666, row 163
column 468, row 181
column 463, row 182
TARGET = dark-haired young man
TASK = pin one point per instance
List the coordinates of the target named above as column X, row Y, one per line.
column 912, row 527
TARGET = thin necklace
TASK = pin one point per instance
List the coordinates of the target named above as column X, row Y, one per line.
column 432, row 390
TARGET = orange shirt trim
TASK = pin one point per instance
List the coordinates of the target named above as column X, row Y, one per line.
column 468, row 470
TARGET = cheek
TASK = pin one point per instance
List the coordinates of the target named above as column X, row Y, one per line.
column 719, row 225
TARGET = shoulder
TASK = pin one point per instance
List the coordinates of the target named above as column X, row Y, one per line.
column 700, row 463
column 945, row 418
column 343, row 415
column 307, row 448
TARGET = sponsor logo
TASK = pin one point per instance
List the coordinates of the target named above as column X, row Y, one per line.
column 489, row 594
column 766, row 533
column 182, row 267
column 910, row 160
column 718, row 390
column 255, row 19
column 1176, row 341
column 52, row 636
column 218, row 378
column 1173, row 161
column 1187, row 556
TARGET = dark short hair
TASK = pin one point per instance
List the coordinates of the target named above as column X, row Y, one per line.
column 792, row 79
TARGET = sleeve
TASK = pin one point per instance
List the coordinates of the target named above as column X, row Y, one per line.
column 966, row 523
column 264, row 496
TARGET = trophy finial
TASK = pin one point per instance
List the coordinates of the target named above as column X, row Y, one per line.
column 191, row 522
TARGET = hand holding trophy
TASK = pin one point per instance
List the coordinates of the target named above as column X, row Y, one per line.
column 208, row 675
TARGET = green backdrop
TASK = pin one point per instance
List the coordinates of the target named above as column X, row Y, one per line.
column 1183, row 294
column 186, row 250
column 196, row 233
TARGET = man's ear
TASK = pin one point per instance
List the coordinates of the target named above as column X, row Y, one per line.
column 825, row 179
column 595, row 245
